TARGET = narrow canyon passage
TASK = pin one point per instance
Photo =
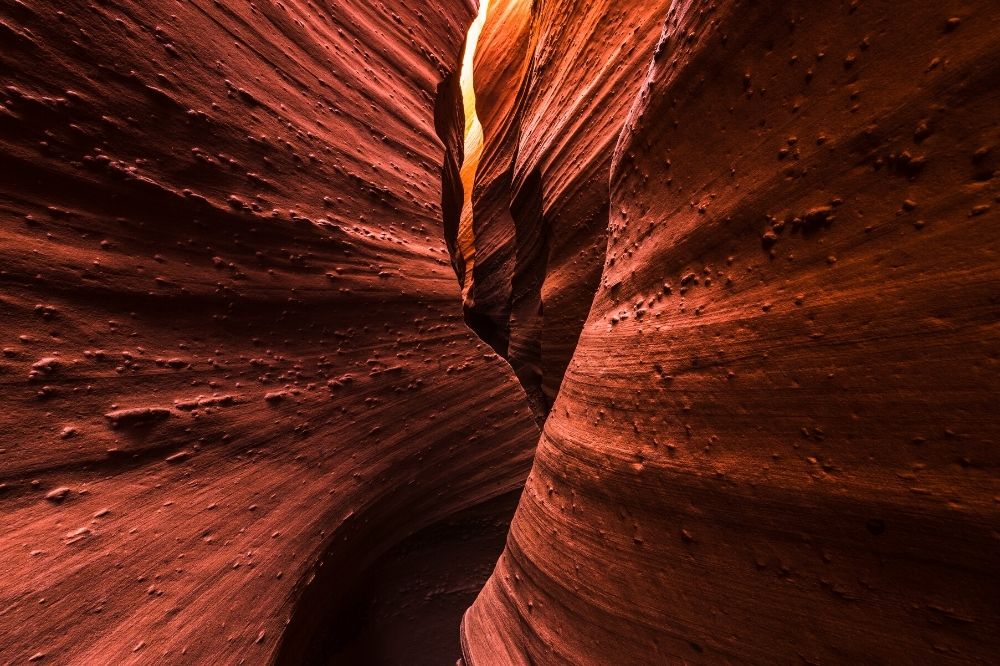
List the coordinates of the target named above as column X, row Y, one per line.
column 294, row 303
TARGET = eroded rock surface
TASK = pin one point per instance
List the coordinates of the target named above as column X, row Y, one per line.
column 234, row 371
column 776, row 439
column 741, row 258
column 554, row 80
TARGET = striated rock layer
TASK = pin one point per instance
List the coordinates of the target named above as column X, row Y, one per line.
column 553, row 81
column 776, row 441
column 741, row 258
column 235, row 375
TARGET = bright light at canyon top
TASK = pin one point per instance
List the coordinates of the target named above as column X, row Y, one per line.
column 473, row 146
column 468, row 87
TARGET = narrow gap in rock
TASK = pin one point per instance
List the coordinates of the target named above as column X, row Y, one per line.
column 473, row 149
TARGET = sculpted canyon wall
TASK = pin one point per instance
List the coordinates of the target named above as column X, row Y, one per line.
column 234, row 368
column 776, row 439
column 740, row 258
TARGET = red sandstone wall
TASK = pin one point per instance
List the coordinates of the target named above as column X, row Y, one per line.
column 745, row 251
column 541, row 196
column 776, row 440
column 233, row 358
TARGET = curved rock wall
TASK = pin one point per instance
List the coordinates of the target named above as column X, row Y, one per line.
column 741, row 256
column 776, row 440
column 553, row 81
column 234, row 369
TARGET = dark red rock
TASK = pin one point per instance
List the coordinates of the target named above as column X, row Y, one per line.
column 214, row 202
column 740, row 256
column 790, row 458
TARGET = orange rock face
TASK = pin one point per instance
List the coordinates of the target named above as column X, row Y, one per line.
column 740, row 258
column 554, row 81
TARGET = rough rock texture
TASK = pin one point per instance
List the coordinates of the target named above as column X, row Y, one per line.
column 741, row 256
column 777, row 439
column 234, row 369
column 554, row 79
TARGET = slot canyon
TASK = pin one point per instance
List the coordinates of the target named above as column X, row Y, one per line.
column 569, row 332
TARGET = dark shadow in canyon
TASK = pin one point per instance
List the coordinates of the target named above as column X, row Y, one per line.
column 527, row 308
column 449, row 124
column 409, row 604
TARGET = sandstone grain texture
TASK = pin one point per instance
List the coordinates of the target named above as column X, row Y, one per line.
column 235, row 371
column 776, row 441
